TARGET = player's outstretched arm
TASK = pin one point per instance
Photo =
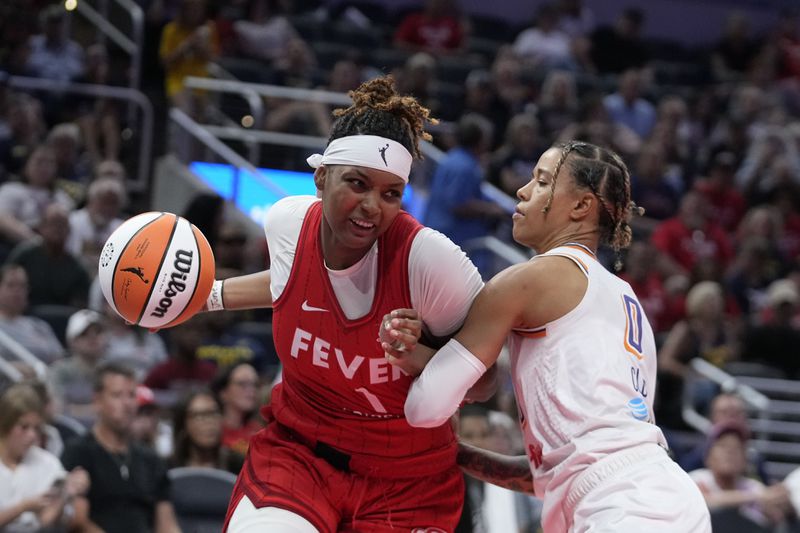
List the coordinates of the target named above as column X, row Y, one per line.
column 511, row 472
column 242, row 292
column 438, row 391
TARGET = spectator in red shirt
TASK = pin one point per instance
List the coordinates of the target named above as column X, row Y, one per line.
column 726, row 202
column 693, row 235
column 435, row 29
column 183, row 370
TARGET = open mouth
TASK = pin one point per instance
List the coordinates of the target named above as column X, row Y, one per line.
column 362, row 225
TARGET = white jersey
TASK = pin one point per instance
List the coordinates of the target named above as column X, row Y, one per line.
column 585, row 382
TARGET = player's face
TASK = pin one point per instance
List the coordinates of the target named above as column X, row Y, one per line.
column 359, row 205
column 23, row 435
column 533, row 227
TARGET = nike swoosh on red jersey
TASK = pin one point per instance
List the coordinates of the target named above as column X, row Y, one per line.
column 306, row 307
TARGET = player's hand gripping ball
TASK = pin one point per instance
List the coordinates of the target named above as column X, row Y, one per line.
column 156, row 270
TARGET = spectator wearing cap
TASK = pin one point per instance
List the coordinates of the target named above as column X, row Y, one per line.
column 52, row 55
column 147, row 428
column 34, row 334
column 727, row 408
column 775, row 340
column 70, row 379
column 723, row 482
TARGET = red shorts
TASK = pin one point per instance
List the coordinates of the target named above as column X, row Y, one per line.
column 281, row 472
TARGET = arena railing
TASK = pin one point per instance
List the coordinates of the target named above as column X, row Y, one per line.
column 702, row 369
column 775, row 413
column 22, row 354
column 126, row 94
column 253, row 136
column 202, row 134
column 248, row 90
column 131, row 45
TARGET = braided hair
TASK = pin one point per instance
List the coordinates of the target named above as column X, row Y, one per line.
column 378, row 109
column 605, row 174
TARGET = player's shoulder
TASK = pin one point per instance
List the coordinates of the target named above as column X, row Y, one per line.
column 436, row 250
column 289, row 208
column 432, row 239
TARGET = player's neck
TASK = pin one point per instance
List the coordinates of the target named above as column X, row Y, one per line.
column 588, row 237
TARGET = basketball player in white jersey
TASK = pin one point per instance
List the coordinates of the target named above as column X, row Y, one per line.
column 583, row 361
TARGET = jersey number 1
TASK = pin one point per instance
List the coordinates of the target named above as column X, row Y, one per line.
column 633, row 326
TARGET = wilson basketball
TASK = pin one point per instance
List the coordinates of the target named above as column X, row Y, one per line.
column 156, row 270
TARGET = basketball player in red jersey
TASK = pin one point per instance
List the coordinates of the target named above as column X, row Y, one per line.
column 337, row 453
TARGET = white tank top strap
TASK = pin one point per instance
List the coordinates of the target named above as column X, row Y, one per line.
column 581, row 255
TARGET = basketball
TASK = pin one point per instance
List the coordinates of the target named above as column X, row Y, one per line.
column 156, row 270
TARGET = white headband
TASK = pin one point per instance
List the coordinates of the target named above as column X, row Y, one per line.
column 369, row 151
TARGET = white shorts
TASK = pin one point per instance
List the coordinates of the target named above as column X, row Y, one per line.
column 247, row 519
column 634, row 491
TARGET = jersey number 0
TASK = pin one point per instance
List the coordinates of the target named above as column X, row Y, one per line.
column 633, row 326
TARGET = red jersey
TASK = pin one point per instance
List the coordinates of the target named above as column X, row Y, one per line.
column 337, row 387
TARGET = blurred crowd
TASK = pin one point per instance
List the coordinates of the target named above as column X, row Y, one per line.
column 711, row 135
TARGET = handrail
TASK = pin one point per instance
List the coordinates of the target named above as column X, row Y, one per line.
column 253, row 98
column 727, row 383
column 131, row 45
column 137, row 28
column 108, row 29
column 499, row 197
column 21, row 353
column 104, row 91
column 497, row 247
column 262, row 89
column 247, row 89
column 9, row 370
column 202, row 134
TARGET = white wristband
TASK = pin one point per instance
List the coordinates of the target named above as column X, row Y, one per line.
column 436, row 393
column 215, row 300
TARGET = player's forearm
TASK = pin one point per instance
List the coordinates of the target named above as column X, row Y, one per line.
column 511, row 472
column 246, row 292
column 485, row 388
